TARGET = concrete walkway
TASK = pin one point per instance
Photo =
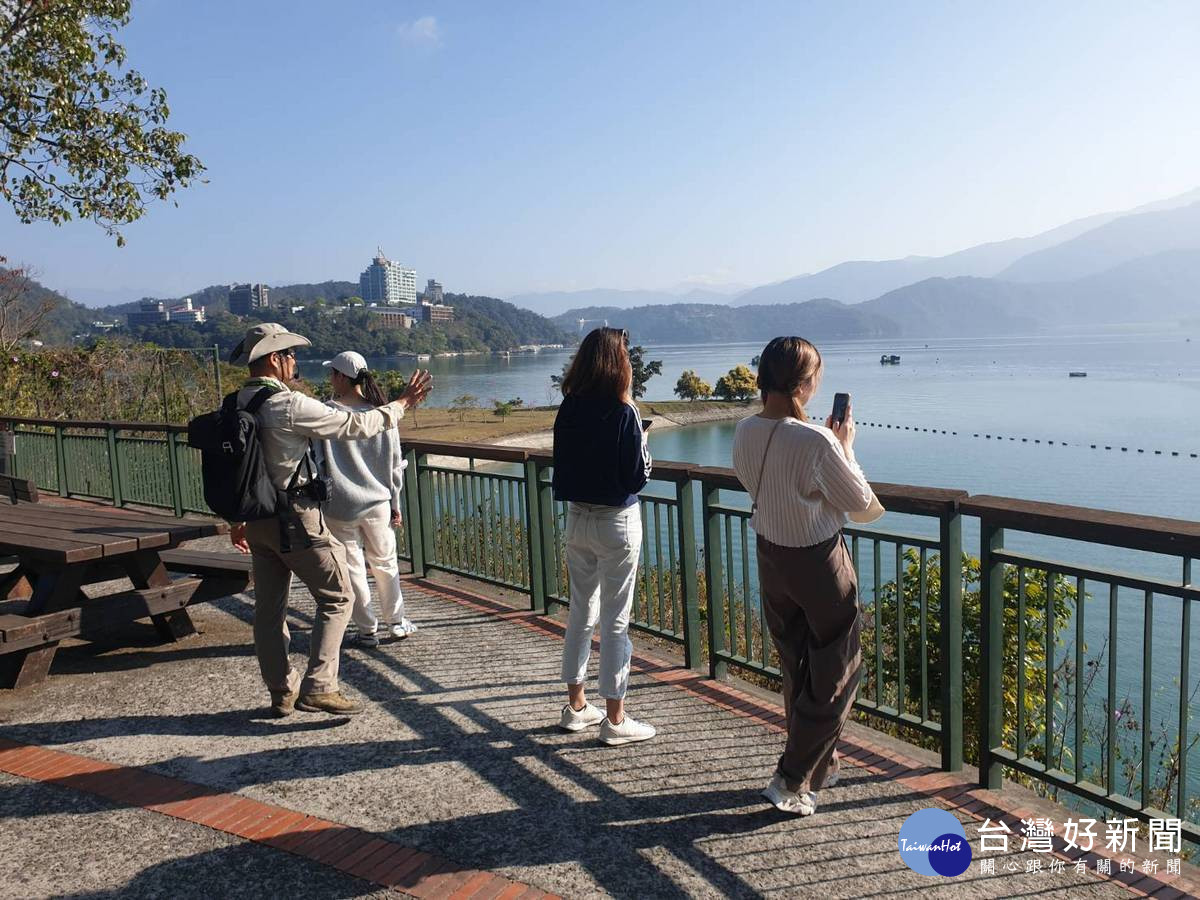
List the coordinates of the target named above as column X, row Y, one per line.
column 457, row 757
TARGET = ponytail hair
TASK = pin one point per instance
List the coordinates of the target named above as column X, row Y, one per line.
column 370, row 388
column 784, row 366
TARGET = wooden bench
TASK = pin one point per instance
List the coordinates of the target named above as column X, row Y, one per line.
column 21, row 490
column 206, row 563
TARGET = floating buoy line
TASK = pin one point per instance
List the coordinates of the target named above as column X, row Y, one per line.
column 1027, row 440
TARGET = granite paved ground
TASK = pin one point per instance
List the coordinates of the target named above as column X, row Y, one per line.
column 458, row 755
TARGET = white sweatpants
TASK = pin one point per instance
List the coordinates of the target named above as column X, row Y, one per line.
column 603, row 546
column 371, row 543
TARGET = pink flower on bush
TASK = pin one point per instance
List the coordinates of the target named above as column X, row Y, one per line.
column 54, row 373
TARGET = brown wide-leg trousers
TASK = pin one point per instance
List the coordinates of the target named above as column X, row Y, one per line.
column 810, row 598
column 322, row 568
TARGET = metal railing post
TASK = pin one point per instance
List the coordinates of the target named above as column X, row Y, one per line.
column 991, row 661
column 534, row 534
column 114, row 467
column 546, row 511
column 693, row 651
column 413, row 523
column 713, row 577
column 173, row 463
column 425, row 505
column 60, row 459
column 951, row 582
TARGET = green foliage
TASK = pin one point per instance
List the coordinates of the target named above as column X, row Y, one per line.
column 80, row 134
column 481, row 324
column 691, row 386
column 738, row 383
column 502, row 409
column 642, row 371
column 112, row 382
column 462, row 403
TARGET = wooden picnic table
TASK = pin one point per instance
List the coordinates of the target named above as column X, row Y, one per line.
column 60, row 549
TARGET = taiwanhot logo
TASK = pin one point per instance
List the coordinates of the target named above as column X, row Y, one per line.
column 933, row 842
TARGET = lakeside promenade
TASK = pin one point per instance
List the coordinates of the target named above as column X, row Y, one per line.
column 456, row 780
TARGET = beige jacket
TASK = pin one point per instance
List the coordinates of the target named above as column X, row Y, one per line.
column 289, row 419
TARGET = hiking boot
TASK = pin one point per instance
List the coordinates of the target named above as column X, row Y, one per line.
column 628, row 731
column 402, row 629
column 798, row 803
column 368, row 640
column 283, row 703
column 335, row 703
column 578, row 719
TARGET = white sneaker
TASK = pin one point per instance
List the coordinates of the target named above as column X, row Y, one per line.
column 402, row 629
column 798, row 803
column 628, row 731
column 579, row 719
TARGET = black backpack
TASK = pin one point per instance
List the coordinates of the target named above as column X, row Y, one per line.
column 236, row 485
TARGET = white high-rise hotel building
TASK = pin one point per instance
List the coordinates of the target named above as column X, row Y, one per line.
column 388, row 283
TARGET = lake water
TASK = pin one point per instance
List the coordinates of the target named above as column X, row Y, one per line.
column 1142, row 392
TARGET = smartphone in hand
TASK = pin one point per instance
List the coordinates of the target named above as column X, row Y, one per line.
column 841, row 406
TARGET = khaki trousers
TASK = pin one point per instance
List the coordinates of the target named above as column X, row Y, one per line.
column 322, row 569
column 810, row 599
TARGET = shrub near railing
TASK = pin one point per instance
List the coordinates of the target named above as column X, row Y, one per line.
column 1002, row 637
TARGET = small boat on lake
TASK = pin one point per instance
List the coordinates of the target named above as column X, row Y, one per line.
column 1078, row 374
column 889, row 359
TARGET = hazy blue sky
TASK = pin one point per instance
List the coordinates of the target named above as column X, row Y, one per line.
column 505, row 147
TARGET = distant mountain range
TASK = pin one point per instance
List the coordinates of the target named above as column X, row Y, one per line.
column 1142, row 266
column 1164, row 287
column 552, row 303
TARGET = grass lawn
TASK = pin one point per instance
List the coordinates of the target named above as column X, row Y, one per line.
column 473, row 425
column 480, row 425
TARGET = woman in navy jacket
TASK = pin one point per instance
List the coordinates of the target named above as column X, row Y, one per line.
column 600, row 464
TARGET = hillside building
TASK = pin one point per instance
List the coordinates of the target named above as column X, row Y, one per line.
column 434, row 293
column 186, row 313
column 388, row 283
column 434, row 314
column 245, row 299
column 149, row 312
column 390, row 318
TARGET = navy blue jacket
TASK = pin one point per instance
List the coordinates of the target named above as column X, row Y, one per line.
column 600, row 453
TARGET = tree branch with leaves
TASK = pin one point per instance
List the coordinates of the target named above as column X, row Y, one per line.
column 81, row 135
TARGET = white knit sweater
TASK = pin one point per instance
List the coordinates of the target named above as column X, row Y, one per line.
column 809, row 484
column 362, row 474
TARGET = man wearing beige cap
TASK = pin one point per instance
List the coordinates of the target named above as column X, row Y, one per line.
column 298, row 541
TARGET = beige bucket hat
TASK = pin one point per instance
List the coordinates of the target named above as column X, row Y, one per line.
column 263, row 339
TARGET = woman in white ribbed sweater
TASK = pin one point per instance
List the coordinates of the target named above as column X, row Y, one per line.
column 365, row 479
column 804, row 481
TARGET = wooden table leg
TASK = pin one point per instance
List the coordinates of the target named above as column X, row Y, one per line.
column 15, row 586
column 25, row 667
column 147, row 570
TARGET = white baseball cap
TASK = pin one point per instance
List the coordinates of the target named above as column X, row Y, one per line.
column 348, row 362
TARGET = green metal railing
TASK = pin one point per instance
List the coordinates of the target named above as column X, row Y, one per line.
column 1063, row 655
column 1071, row 722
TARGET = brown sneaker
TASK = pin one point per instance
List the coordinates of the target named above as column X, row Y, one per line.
column 283, row 703
column 335, row 703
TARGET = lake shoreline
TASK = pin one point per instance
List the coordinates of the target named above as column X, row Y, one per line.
column 662, row 415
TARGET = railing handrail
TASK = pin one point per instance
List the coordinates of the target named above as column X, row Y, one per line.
column 158, row 427
column 1156, row 534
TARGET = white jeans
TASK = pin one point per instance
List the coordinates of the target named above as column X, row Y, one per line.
column 603, row 545
column 372, row 537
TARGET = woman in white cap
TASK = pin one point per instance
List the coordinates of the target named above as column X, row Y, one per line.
column 365, row 480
